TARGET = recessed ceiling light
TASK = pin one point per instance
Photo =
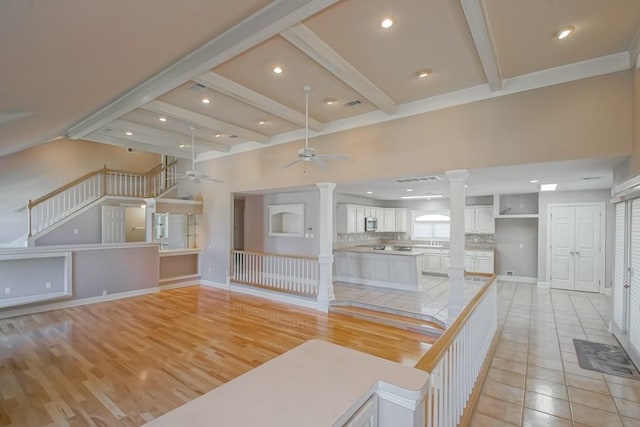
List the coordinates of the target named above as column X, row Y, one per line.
column 386, row 23
column 181, row 145
column 423, row 73
column 262, row 122
column 128, row 133
column 218, row 135
column 466, row 186
column 162, row 119
column 564, row 32
column 277, row 70
column 409, row 189
column 548, row 187
column 534, row 181
column 329, row 101
column 428, row 196
column 369, row 192
column 206, row 101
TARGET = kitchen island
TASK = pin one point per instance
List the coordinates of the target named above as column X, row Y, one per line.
column 395, row 267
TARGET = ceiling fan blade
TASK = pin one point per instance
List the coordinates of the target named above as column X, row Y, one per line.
column 319, row 162
column 292, row 163
column 207, row 178
column 333, row 156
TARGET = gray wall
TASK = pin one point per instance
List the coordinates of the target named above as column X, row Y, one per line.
column 254, row 223
column 510, row 234
column 96, row 270
column 88, row 224
column 575, row 197
column 294, row 245
column 27, row 277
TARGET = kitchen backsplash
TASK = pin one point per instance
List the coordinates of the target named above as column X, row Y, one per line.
column 480, row 238
column 345, row 240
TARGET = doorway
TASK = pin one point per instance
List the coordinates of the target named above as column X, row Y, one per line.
column 575, row 258
column 238, row 224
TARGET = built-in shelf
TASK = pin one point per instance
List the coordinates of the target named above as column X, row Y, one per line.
column 286, row 220
column 515, row 206
column 517, row 216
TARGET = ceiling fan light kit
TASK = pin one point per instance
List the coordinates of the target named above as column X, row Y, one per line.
column 308, row 154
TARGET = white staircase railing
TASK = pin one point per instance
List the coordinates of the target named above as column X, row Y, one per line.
column 285, row 273
column 70, row 198
column 456, row 359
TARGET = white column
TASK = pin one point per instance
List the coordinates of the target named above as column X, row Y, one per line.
column 456, row 246
column 325, row 235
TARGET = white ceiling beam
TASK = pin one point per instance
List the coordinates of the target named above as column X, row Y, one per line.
column 101, row 137
column 261, row 26
column 313, row 46
column 634, row 50
column 234, row 90
column 151, row 135
column 478, row 24
column 201, row 120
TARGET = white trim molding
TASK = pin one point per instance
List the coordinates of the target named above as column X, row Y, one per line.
column 519, row 279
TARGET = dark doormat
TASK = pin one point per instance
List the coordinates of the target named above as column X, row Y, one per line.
column 605, row 358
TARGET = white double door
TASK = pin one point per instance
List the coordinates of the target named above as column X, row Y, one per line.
column 575, row 246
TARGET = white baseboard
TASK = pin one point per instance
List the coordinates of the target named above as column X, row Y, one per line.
column 544, row 285
column 183, row 284
column 520, row 279
column 263, row 293
column 74, row 303
column 606, row 291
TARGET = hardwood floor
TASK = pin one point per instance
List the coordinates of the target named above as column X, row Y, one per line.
column 126, row 362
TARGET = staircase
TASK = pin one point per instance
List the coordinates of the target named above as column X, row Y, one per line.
column 414, row 322
column 54, row 207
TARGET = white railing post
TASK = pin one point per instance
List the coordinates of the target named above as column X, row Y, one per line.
column 456, row 242
column 325, row 235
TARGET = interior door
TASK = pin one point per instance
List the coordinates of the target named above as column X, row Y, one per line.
column 587, row 248
column 562, row 252
column 113, row 224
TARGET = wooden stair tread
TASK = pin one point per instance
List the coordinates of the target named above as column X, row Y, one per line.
column 390, row 316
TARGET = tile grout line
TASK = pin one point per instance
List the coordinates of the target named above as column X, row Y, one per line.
column 526, row 373
column 564, row 374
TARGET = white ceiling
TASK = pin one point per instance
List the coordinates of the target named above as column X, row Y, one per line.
column 97, row 70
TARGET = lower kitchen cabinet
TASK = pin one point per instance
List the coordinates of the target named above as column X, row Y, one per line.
column 436, row 260
column 479, row 261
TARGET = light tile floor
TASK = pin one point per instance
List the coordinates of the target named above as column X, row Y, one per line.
column 432, row 299
column 535, row 379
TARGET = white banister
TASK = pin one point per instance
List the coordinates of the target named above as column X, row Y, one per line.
column 456, row 360
column 291, row 274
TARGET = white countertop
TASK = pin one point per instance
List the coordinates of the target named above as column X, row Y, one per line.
column 315, row 384
column 387, row 251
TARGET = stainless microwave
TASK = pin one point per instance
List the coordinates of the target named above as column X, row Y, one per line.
column 370, row 224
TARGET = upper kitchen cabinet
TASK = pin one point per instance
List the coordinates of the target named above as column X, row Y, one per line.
column 351, row 219
column 479, row 220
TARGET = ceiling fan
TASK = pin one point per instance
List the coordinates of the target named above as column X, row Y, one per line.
column 308, row 154
column 193, row 174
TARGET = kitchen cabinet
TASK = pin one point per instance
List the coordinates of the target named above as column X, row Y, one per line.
column 389, row 220
column 347, row 219
column 360, row 214
column 436, row 260
column 402, row 220
column 479, row 219
column 479, row 261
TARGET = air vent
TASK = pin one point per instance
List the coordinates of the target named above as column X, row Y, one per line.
column 233, row 136
column 419, row 179
column 196, row 87
column 591, row 178
column 107, row 130
column 352, row 103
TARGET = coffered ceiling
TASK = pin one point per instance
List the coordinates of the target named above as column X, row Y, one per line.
column 111, row 71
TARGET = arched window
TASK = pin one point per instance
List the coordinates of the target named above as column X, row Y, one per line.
column 430, row 225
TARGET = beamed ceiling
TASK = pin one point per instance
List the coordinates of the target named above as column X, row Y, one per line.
column 108, row 71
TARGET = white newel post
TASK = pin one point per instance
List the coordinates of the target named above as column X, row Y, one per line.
column 457, row 179
column 325, row 235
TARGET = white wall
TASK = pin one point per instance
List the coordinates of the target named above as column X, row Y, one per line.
column 575, row 197
column 510, row 234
